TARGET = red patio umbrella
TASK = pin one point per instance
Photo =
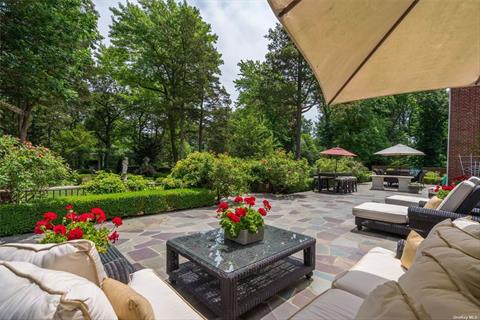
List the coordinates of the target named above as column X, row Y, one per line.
column 338, row 152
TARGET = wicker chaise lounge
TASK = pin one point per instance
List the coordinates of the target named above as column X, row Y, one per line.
column 401, row 220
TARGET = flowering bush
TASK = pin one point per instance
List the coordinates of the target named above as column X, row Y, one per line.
column 242, row 215
column 79, row 226
column 24, row 166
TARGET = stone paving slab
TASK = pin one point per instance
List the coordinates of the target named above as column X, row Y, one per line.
column 325, row 216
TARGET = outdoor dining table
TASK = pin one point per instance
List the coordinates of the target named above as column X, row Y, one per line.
column 403, row 181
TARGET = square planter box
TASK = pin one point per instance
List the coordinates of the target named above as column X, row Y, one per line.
column 245, row 237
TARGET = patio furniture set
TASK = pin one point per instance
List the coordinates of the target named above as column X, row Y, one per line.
column 338, row 183
column 401, row 214
column 66, row 280
column 399, row 179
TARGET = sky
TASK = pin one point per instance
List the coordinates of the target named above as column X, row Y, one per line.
column 241, row 26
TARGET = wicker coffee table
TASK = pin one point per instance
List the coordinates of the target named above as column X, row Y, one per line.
column 231, row 278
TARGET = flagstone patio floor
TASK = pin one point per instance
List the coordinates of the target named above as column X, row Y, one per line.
column 325, row 216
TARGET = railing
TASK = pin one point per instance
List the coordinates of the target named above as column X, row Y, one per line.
column 52, row 192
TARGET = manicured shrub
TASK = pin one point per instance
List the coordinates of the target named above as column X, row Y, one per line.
column 21, row 218
column 168, row 183
column 432, row 177
column 194, row 170
column 281, row 173
column 105, row 182
column 228, row 177
column 137, row 183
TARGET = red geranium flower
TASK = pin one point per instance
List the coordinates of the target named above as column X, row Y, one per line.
column 74, row 234
column 71, row 216
column 68, row 207
column 113, row 236
column 49, row 216
column 250, row 201
column 233, row 217
column 99, row 214
column 85, row 217
column 262, row 211
column 437, row 188
column 266, row 204
column 41, row 226
column 117, row 221
column 240, row 212
column 238, row 199
column 222, row 206
column 60, row 229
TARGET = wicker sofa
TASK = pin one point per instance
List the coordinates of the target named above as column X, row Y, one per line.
column 379, row 287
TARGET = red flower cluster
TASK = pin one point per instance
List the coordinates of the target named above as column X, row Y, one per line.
column 74, row 234
column 444, row 188
column 223, row 209
column 70, row 228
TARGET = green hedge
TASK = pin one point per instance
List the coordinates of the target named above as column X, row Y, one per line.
column 17, row 219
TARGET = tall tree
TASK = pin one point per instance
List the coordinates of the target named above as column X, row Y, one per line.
column 297, row 86
column 165, row 47
column 45, row 46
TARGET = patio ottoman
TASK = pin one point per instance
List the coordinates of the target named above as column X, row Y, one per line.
column 390, row 213
column 407, row 201
column 332, row 304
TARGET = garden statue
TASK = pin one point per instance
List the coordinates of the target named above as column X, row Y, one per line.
column 124, row 169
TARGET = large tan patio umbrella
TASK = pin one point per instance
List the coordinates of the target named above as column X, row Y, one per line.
column 367, row 48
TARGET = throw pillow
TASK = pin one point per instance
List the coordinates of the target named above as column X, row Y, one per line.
column 30, row 292
column 78, row 257
column 126, row 302
column 410, row 250
column 433, row 203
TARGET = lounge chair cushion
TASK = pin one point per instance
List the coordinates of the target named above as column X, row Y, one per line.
column 382, row 212
column 31, row 292
column 470, row 202
column 166, row 303
column 456, row 197
column 475, row 180
column 378, row 266
column 79, row 257
column 407, row 201
column 441, row 284
column 332, row 304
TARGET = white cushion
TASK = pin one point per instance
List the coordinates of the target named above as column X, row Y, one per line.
column 30, row 292
column 382, row 212
column 78, row 257
column 455, row 197
column 378, row 266
column 407, row 201
column 332, row 304
column 166, row 303
column 475, row 180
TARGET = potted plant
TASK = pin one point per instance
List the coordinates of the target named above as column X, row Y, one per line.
column 415, row 187
column 243, row 223
column 89, row 226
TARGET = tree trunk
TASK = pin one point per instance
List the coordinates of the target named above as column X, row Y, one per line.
column 298, row 132
column 173, row 145
column 200, row 127
column 24, row 122
column 182, row 131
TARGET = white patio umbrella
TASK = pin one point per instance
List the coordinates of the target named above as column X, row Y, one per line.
column 367, row 48
column 399, row 150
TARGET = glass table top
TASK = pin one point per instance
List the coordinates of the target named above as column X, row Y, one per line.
column 228, row 256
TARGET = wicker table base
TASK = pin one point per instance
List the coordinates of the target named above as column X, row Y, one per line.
column 230, row 294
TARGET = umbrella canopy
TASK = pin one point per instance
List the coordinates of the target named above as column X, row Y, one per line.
column 367, row 48
column 337, row 151
column 400, row 150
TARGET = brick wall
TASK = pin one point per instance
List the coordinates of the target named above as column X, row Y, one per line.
column 464, row 133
